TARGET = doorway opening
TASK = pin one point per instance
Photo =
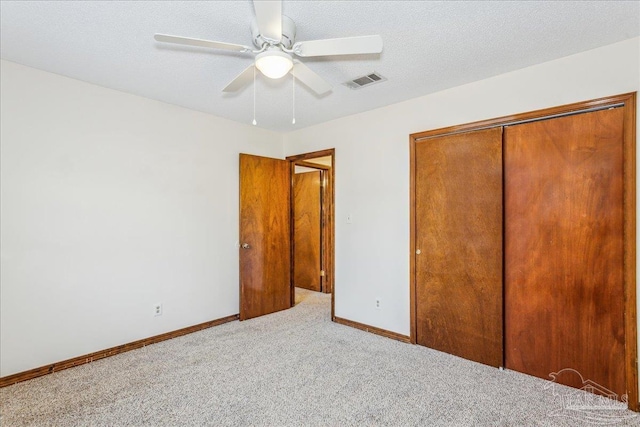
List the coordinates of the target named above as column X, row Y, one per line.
column 312, row 222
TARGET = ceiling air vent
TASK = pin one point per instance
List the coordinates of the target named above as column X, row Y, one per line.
column 363, row 81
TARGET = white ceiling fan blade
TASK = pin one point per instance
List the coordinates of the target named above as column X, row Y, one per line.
column 310, row 78
column 343, row 46
column 201, row 43
column 269, row 18
column 241, row 80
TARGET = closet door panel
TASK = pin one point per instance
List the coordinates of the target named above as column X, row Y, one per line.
column 564, row 296
column 458, row 224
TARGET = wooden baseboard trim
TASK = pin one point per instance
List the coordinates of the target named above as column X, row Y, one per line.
column 383, row 332
column 92, row 357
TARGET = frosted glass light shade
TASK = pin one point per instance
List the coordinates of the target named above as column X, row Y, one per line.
column 274, row 63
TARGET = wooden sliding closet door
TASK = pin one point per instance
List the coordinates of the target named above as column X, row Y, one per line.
column 458, row 259
column 564, row 296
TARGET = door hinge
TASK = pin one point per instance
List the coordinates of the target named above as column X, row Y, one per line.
column 321, row 273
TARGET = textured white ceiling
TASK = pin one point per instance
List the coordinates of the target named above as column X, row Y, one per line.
column 428, row 46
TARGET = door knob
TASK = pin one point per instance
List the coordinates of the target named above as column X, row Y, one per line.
column 418, row 251
column 245, row 246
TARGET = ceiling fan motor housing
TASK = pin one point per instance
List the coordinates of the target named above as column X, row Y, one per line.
column 288, row 34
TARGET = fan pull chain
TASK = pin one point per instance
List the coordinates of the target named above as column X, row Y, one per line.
column 254, row 96
column 293, row 122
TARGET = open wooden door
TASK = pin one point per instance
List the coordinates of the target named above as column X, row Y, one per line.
column 265, row 254
column 307, row 210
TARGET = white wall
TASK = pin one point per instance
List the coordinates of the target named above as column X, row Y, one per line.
column 372, row 166
column 111, row 203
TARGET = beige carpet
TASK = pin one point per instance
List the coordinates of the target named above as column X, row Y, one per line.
column 293, row 368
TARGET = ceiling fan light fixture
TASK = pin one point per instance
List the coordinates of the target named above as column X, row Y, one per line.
column 274, row 63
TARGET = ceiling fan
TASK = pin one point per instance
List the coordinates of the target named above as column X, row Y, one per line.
column 274, row 36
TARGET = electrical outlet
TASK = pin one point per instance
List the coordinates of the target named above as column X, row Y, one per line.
column 157, row 309
column 377, row 303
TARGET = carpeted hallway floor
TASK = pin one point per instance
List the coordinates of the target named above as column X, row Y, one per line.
column 292, row 368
